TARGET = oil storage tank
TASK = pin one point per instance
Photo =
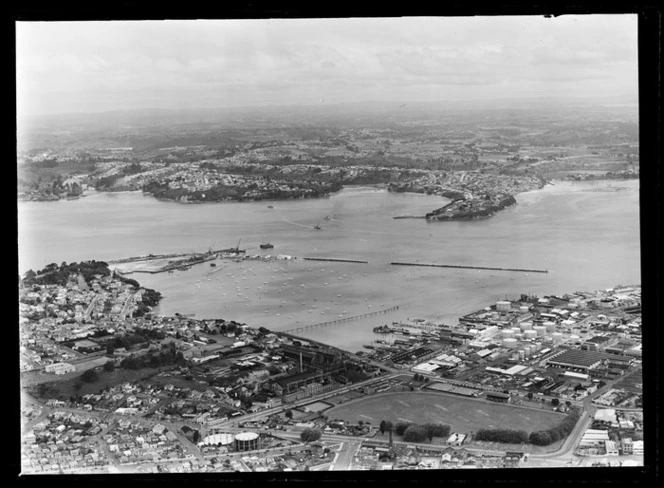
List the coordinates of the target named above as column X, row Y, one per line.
column 246, row 441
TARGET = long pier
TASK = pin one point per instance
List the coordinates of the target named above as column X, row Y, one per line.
column 336, row 260
column 471, row 267
column 344, row 319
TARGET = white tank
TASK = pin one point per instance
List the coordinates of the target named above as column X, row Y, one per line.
column 507, row 333
column 530, row 334
column 540, row 329
column 574, row 338
column 522, row 354
column 550, row 326
column 557, row 337
column 526, row 325
column 503, row 305
column 510, row 342
column 523, row 308
column 528, row 350
column 538, row 346
column 223, row 439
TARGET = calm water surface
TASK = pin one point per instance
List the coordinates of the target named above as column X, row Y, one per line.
column 585, row 234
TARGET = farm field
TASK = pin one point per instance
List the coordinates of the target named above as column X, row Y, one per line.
column 462, row 414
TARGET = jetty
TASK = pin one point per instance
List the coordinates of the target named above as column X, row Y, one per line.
column 471, row 267
column 336, row 260
column 343, row 320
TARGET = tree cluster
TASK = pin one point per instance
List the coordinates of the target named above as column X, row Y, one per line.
column 53, row 274
column 90, row 376
column 310, row 435
column 559, row 432
column 507, row 436
column 166, row 357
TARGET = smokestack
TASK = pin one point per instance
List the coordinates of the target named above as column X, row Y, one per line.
column 300, row 361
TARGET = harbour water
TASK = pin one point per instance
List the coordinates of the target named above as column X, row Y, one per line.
column 586, row 234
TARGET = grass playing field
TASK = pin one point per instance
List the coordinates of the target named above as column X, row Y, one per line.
column 462, row 414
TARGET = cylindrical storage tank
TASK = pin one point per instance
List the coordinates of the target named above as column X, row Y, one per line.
column 503, row 305
column 523, row 308
column 522, row 354
column 223, row 439
column 538, row 346
column 574, row 338
column 246, row 441
column 528, row 350
column 516, row 329
column 510, row 342
column 507, row 333
column 530, row 334
column 550, row 326
column 540, row 329
column 526, row 325
column 557, row 337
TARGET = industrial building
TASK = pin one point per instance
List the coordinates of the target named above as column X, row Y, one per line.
column 60, row 368
column 577, row 360
column 497, row 396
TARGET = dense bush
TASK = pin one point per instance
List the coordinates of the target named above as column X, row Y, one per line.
column 415, row 433
column 438, row 430
column 90, row 376
column 400, row 427
column 310, row 435
column 560, row 431
column 507, row 436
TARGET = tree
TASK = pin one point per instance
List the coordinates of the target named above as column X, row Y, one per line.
column 530, row 395
column 437, row 430
column 555, row 402
column 389, row 428
column 401, row 427
column 109, row 366
column 310, row 435
column 90, row 376
column 415, row 433
column 289, row 414
column 381, row 427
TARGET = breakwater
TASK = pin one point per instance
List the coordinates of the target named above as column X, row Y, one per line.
column 522, row 270
column 336, row 260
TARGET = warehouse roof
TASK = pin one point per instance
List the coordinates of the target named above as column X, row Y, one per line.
column 577, row 357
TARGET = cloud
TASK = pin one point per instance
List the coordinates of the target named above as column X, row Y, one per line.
column 278, row 59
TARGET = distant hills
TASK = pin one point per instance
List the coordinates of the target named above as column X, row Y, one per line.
column 321, row 113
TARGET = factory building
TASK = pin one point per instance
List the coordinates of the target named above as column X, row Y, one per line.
column 576, row 360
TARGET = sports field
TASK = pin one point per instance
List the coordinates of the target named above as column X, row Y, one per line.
column 462, row 414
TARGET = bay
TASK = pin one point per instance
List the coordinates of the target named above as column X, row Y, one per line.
column 586, row 234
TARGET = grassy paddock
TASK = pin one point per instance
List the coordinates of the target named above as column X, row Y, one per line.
column 462, row 414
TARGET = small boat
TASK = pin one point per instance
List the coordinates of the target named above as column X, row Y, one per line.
column 212, row 264
column 270, row 206
column 327, row 217
column 267, row 245
column 317, row 227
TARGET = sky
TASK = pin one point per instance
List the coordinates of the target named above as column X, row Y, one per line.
column 71, row 67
